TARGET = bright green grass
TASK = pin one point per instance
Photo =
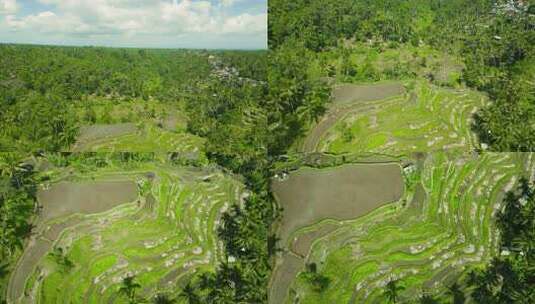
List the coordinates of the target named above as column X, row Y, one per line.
column 453, row 229
column 177, row 234
column 436, row 119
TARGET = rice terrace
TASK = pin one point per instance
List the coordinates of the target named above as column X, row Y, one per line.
column 95, row 228
column 267, row 152
column 426, row 218
column 388, row 118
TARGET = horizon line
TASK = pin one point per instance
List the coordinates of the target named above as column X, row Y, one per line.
column 133, row 47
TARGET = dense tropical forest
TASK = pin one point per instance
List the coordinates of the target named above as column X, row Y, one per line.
column 49, row 92
column 492, row 39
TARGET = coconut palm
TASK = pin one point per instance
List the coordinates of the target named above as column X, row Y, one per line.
column 129, row 287
column 456, row 292
column 426, row 298
column 392, row 290
column 189, row 292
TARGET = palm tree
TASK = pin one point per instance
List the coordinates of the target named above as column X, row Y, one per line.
column 458, row 295
column 129, row 288
column 426, row 298
column 189, row 292
column 392, row 290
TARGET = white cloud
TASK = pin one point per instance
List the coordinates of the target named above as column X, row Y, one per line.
column 245, row 22
column 135, row 20
column 141, row 16
column 229, row 2
column 8, row 7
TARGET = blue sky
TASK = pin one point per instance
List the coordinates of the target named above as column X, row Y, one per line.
column 226, row 24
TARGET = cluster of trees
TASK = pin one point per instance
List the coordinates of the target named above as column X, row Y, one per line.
column 40, row 85
column 17, row 205
column 248, row 126
column 510, row 277
column 17, row 197
column 496, row 39
column 499, row 54
column 248, row 63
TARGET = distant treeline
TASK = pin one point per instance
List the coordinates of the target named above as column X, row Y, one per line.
column 496, row 39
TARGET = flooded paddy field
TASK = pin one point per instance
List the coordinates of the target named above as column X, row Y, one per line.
column 346, row 93
column 309, row 195
column 66, row 198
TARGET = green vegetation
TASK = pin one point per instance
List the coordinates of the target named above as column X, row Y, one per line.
column 509, row 277
column 485, row 45
column 52, row 96
column 444, row 223
column 206, row 109
column 163, row 237
column 466, row 69
column 402, row 124
column 17, row 197
column 166, row 162
column 188, row 106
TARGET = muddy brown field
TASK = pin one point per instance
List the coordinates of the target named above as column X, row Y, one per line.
column 65, row 198
column 344, row 93
column 310, row 195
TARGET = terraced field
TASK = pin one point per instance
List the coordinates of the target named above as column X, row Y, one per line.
column 441, row 224
column 154, row 221
column 136, row 126
column 149, row 139
column 421, row 118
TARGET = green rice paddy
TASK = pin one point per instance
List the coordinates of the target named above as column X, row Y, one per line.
column 426, row 118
